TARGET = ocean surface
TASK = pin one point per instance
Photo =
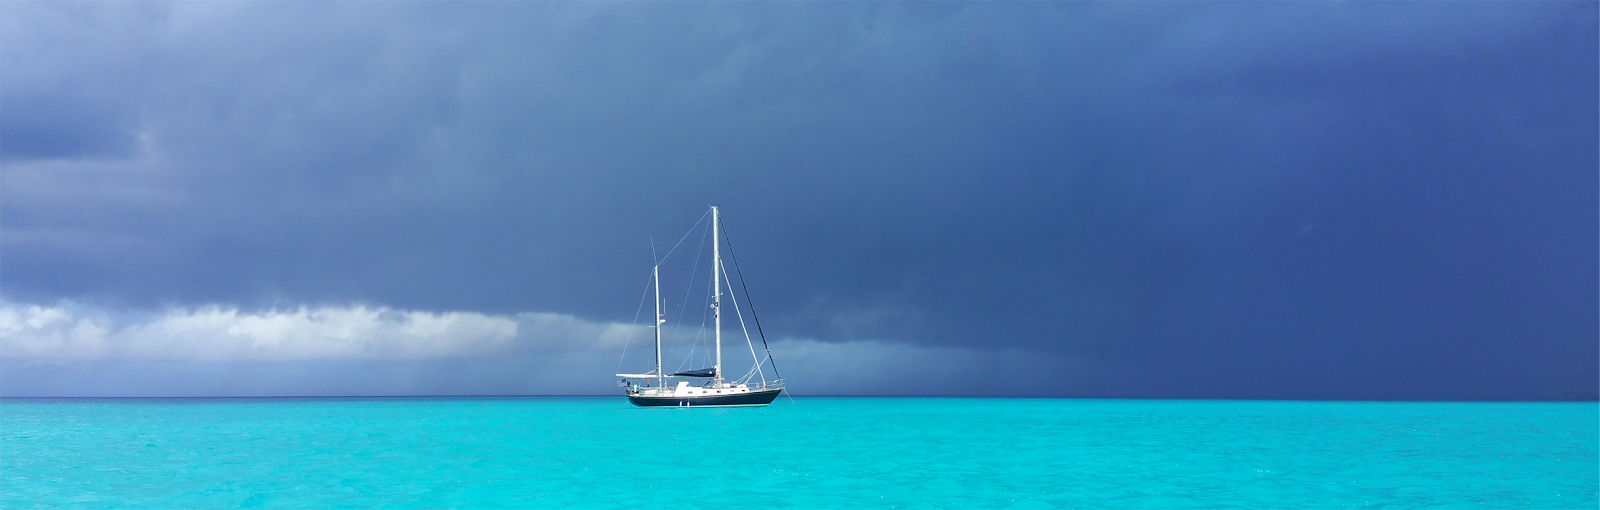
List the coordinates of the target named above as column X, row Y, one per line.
column 805, row 452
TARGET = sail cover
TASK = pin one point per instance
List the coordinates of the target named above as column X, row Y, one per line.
column 704, row 372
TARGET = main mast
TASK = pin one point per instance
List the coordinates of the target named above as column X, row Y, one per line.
column 655, row 274
column 716, row 289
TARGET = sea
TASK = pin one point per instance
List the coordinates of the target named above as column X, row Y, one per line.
column 800, row 452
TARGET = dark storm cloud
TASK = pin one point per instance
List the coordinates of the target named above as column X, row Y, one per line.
column 1301, row 200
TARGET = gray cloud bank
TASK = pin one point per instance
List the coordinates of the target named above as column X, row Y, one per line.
column 75, row 351
column 1303, row 200
column 214, row 333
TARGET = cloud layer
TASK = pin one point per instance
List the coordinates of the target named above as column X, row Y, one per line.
column 217, row 334
column 73, row 350
column 1372, row 200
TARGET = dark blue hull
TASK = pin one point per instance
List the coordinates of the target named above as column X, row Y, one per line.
column 754, row 398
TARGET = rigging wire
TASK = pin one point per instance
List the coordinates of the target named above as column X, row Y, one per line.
column 734, row 298
column 688, row 290
column 749, row 301
column 635, row 325
column 680, row 240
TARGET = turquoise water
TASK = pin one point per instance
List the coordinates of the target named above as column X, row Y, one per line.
column 579, row 452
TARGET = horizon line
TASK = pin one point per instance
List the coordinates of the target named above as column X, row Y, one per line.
column 1591, row 398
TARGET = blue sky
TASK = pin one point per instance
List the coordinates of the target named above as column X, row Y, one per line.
column 1197, row 199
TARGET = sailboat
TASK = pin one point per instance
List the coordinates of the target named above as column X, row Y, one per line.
column 706, row 387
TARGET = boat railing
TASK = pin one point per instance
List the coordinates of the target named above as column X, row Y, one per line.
column 752, row 385
column 768, row 385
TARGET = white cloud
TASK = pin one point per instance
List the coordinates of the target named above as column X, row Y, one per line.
column 217, row 333
column 73, row 350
